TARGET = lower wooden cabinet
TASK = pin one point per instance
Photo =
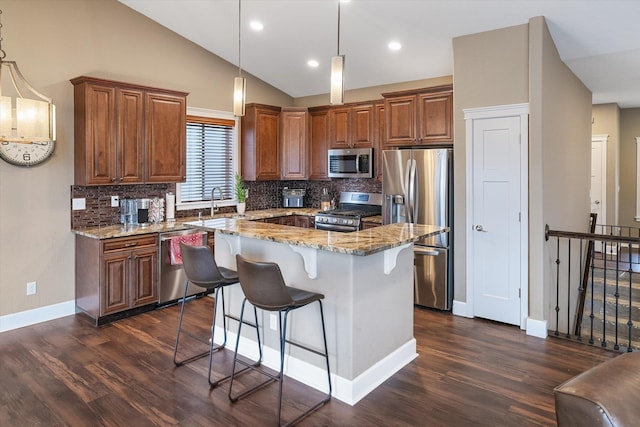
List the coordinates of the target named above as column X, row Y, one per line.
column 115, row 275
column 303, row 221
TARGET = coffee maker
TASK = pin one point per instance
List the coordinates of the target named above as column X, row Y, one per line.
column 134, row 212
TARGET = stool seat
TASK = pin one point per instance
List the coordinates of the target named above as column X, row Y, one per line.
column 605, row 395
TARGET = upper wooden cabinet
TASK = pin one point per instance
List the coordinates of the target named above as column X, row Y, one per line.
column 351, row 126
column 260, row 144
column 379, row 134
column 318, row 142
column 128, row 134
column 165, row 142
column 419, row 117
column 294, row 142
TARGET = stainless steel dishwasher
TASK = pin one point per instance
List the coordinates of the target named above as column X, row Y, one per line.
column 172, row 277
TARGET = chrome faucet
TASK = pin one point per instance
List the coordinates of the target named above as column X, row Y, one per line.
column 214, row 207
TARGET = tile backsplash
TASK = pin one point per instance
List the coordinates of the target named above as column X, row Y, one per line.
column 262, row 195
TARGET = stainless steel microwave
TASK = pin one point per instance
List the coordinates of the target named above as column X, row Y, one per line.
column 351, row 163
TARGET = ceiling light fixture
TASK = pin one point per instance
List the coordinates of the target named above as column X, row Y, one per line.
column 336, row 97
column 313, row 63
column 394, row 45
column 24, row 120
column 256, row 25
column 239, row 83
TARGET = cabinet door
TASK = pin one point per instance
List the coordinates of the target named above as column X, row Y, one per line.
column 165, row 137
column 260, row 143
column 144, row 276
column 339, row 127
column 115, row 282
column 130, row 133
column 435, row 117
column 304, row 221
column 400, row 120
column 288, row 220
column 99, row 135
column 319, row 143
column 294, row 144
column 362, row 129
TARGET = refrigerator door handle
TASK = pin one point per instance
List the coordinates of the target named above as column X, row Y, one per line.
column 412, row 192
column 407, row 192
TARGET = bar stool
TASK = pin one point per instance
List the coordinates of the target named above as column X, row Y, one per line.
column 201, row 270
column 264, row 287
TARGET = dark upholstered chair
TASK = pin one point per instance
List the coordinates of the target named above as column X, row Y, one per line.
column 264, row 287
column 201, row 270
column 605, row 395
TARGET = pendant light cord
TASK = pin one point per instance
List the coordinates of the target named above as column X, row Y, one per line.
column 239, row 33
column 339, row 1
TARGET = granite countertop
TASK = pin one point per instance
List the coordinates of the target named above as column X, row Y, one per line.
column 118, row 230
column 363, row 242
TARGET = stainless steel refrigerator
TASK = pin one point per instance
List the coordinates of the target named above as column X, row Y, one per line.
column 417, row 187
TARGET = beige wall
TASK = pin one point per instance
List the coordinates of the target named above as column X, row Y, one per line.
column 52, row 42
column 606, row 121
column 559, row 161
column 489, row 69
column 629, row 131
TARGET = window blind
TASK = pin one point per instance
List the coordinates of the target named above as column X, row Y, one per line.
column 209, row 159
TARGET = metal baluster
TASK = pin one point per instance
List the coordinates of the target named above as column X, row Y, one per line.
column 616, row 346
column 604, row 294
column 557, row 332
column 568, row 335
column 591, row 316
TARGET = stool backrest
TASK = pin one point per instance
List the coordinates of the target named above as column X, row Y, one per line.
column 200, row 265
column 263, row 284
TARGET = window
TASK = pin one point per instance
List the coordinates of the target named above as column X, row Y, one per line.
column 211, row 159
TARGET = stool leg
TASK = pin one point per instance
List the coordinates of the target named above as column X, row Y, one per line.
column 326, row 349
column 175, row 350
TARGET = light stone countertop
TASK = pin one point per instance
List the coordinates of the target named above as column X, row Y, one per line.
column 363, row 242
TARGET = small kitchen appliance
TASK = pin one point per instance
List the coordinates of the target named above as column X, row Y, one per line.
column 348, row 216
column 293, row 197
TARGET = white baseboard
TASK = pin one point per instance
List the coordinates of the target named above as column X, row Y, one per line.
column 460, row 309
column 537, row 328
column 37, row 315
column 345, row 390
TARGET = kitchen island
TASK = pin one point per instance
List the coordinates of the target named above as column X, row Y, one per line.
column 367, row 279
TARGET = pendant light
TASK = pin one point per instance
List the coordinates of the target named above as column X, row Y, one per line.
column 24, row 120
column 336, row 96
column 239, row 83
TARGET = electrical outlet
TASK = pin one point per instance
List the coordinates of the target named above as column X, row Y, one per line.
column 273, row 322
column 78, row 204
column 115, row 201
column 31, row 288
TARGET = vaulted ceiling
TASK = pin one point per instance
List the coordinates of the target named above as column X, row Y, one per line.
column 598, row 39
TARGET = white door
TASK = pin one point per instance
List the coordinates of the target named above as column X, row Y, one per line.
column 598, row 178
column 496, row 228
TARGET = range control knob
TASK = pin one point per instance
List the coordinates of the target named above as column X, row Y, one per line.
column 334, row 220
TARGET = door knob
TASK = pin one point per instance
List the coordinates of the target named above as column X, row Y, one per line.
column 480, row 228
column 597, row 202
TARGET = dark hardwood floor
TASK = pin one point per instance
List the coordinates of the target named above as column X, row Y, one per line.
column 469, row 372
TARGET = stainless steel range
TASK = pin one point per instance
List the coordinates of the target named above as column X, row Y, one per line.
column 352, row 208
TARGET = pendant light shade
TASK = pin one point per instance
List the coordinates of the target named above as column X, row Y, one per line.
column 239, row 92
column 239, row 82
column 336, row 95
column 23, row 119
column 337, row 80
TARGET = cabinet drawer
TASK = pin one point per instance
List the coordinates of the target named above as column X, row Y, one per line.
column 126, row 243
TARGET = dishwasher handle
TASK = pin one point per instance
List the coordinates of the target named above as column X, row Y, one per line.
column 425, row 251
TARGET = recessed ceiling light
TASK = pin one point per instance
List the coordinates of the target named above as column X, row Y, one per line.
column 256, row 25
column 394, row 45
column 313, row 63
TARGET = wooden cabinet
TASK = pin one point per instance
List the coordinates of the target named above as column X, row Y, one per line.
column 165, row 137
column 260, row 151
column 419, row 117
column 369, row 224
column 318, row 143
column 127, row 134
column 295, row 150
column 351, row 126
column 115, row 275
column 303, row 221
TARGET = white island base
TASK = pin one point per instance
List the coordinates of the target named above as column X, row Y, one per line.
column 368, row 308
